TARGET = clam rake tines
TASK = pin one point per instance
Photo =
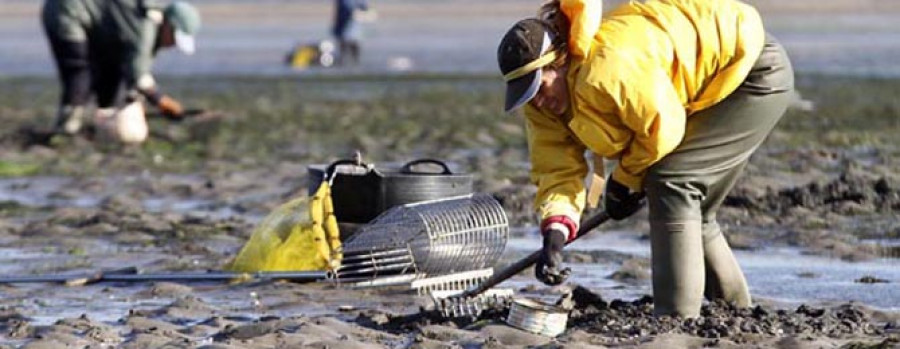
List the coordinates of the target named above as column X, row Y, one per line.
column 464, row 303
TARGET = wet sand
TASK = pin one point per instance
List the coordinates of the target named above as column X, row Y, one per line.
column 184, row 204
column 824, row 187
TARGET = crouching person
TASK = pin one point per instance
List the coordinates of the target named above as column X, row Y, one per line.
column 681, row 93
column 104, row 49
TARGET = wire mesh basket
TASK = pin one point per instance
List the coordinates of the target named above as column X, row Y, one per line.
column 434, row 237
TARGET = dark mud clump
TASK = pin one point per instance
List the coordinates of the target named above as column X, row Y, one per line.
column 869, row 279
column 626, row 320
column 517, row 202
column 400, row 324
column 620, row 321
column 849, row 193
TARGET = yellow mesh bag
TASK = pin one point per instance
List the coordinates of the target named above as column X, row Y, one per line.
column 299, row 235
column 302, row 57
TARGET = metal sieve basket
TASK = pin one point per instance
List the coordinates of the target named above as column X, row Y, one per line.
column 433, row 237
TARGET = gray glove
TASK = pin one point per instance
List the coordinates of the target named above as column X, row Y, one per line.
column 549, row 268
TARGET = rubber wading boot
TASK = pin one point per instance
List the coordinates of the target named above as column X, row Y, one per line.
column 70, row 119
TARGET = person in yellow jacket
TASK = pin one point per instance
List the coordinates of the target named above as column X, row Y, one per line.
column 681, row 93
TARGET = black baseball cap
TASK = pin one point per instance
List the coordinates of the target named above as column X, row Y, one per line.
column 521, row 55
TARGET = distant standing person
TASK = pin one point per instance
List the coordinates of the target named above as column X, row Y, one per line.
column 347, row 30
column 681, row 93
column 105, row 49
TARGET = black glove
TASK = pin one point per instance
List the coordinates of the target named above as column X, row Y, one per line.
column 548, row 268
column 621, row 202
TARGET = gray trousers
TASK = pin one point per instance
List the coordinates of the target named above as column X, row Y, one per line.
column 690, row 257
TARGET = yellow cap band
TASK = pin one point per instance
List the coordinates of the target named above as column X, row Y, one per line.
column 536, row 64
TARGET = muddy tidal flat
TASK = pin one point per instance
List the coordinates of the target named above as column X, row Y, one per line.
column 816, row 210
column 814, row 221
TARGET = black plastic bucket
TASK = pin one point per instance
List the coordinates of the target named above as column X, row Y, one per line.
column 361, row 192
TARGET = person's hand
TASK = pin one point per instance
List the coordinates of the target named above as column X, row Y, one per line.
column 620, row 202
column 170, row 107
column 549, row 268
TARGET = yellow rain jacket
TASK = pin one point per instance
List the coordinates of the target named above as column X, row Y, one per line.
column 649, row 66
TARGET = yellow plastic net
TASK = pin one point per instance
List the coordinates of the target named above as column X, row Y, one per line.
column 300, row 235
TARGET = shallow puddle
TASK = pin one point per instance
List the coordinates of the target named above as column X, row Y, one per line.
column 49, row 191
column 40, row 192
column 783, row 275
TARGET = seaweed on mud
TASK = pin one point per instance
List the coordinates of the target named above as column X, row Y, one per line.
column 719, row 319
column 623, row 320
column 887, row 343
column 10, row 208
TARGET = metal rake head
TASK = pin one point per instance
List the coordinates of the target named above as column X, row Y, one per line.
column 436, row 237
column 451, row 282
column 445, row 291
column 450, row 305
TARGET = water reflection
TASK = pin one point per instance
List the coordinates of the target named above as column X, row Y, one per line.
column 784, row 275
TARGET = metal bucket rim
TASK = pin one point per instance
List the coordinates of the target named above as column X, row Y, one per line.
column 537, row 317
column 539, row 306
